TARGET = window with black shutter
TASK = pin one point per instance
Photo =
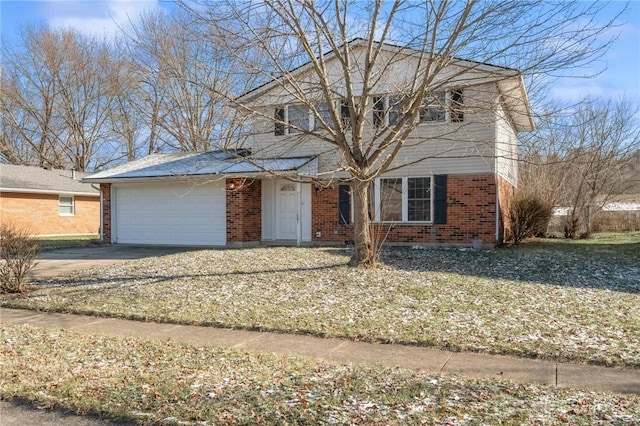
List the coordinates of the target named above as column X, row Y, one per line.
column 344, row 204
column 278, row 117
column 440, row 199
column 378, row 111
column 345, row 114
column 457, row 103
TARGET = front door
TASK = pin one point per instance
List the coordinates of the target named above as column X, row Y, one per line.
column 286, row 211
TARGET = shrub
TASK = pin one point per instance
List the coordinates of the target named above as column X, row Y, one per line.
column 529, row 216
column 18, row 252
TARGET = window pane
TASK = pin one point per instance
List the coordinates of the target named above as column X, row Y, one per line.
column 419, row 199
column 65, row 205
column 345, row 114
column 434, row 107
column 395, row 108
column 391, row 199
column 378, row 111
column 298, row 117
column 323, row 110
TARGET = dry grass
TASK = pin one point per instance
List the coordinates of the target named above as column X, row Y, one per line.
column 167, row 383
column 570, row 301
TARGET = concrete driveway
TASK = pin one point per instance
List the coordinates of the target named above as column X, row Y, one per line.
column 55, row 263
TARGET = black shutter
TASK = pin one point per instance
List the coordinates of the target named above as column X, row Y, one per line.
column 345, row 114
column 344, row 204
column 440, row 199
column 378, row 111
column 279, row 122
column 457, row 102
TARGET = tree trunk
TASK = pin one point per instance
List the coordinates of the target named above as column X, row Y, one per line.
column 365, row 253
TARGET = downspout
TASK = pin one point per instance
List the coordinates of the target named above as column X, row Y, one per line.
column 101, row 212
column 299, row 214
column 496, row 169
column 497, row 209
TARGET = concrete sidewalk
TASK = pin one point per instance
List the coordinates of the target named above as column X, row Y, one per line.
column 344, row 351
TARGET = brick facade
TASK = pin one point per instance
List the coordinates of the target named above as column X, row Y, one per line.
column 39, row 214
column 471, row 214
column 105, row 188
column 244, row 211
column 471, row 210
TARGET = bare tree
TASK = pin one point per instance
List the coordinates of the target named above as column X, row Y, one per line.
column 127, row 116
column 55, row 100
column 606, row 136
column 31, row 126
column 185, row 82
column 306, row 50
column 582, row 158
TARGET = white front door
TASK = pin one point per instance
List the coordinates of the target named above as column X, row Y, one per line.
column 286, row 211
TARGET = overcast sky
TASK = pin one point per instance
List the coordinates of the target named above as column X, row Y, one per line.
column 621, row 77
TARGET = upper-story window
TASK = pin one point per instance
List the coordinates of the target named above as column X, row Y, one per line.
column 396, row 103
column 387, row 110
column 434, row 107
column 443, row 106
column 297, row 118
column 291, row 119
column 325, row 114
column 440, row 106
column 294, row 119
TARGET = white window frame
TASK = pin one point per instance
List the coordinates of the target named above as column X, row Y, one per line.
column 291, row 131
column 405, row 199
column 61, row 205
column 447, row 109
column 317, row 125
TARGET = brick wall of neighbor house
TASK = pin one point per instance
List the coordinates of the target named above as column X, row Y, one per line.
column 470, row 216
column 39, row 214
column 506, row 194
column 244, row 211
column 105, row 188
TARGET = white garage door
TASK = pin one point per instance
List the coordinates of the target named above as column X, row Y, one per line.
column 171, row 213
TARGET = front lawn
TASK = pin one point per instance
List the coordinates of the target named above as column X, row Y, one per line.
column 570, row 301
column 151, row 382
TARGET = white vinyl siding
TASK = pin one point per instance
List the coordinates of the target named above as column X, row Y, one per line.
column 506, row 149
column 449, row 148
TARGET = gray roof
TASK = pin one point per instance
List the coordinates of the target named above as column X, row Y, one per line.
column 14, row 178
column 202, row 164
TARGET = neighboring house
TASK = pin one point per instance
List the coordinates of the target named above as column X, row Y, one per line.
column 458, row 196
column 48, row 202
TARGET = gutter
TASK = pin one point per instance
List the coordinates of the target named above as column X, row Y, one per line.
column 48, row 191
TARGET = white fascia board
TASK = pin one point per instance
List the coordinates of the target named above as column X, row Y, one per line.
column 49, row 191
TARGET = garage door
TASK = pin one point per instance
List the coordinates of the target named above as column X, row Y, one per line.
column 170, row 213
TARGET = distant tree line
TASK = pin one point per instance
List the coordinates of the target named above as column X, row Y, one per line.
column 69, row 100
column 581, row 158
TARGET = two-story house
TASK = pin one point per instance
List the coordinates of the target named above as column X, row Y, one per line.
column 449, row 184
